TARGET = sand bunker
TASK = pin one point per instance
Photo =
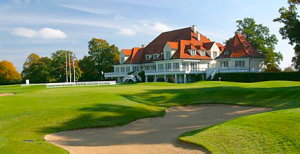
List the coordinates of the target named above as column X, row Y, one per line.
column 150, row 135
column 6, row 94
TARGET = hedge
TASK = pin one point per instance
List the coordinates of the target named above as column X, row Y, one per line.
column 257, row 77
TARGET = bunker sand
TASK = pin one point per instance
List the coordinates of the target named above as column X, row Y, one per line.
column 150, row 135
column 6, row 94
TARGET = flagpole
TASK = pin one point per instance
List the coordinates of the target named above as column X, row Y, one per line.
column 66, row 66
column 70, row 67
column 74, row 67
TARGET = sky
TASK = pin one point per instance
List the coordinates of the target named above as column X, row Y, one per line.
column 45, row 26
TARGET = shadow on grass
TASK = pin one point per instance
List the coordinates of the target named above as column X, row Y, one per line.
column 105, row 115
column 277, row 98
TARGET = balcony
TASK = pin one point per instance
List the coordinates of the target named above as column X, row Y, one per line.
column 177, row 71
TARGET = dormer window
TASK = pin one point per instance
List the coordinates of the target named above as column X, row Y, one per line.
column 168, row 54
column 148, row 57
column 193, row 52
column 202, row 53
column 155, row 56
column 226, row 53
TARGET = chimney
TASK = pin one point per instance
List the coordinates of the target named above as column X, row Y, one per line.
column 198, row 36
column 194, row 27
column 143, row 45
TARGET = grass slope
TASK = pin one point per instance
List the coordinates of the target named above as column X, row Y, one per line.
column 36, row 111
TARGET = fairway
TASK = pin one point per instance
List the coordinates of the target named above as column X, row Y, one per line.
column 25, row 118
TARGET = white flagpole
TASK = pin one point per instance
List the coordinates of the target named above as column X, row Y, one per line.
column 66, row 66
column 74, row 67
column 70, row 67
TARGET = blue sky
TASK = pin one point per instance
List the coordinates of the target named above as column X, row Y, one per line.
column 44, row 26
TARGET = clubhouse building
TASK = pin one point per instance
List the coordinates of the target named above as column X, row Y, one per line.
column 184, row 55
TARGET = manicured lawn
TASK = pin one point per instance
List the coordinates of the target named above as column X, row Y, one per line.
column 36, row 111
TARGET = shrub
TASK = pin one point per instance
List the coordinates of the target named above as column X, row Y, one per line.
column 171, row 79
column 160, row 80
column 150, row 79
column 257, row 77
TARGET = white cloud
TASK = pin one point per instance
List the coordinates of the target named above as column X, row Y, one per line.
column 45, row 33
column 126, row 31
column 49, row 33
column 25, row 32
column 158, row 26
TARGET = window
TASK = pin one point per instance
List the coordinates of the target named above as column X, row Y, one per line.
column 194, row 66
column 215, row 54
column 122, row 60
column 240, row 63
column 160, row 66
column 136, row 68
column 224, row 63
column 127, row 69
column 122, row 69
column 148, row 57
column 176, row 65
column 168, row 66
column 117, row 70
column 155, row 56
column 168, row 54
column 153, row 67
column 193, row 52
column 147, row 67
column 202, row 53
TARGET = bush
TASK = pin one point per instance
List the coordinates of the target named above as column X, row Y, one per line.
column 257, row 77
column 160, row 80
column 150, row 79
column 142, row 75
column 171, row 79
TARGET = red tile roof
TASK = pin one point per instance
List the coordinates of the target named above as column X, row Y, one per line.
column 181, row 39
column 173, row 45
column 240, row 47
column 127, row 52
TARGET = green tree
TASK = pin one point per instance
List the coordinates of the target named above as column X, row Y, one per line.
column 8, row 73
column 59, row 65
column 38, row 70
column 291, row 29
column 259, row 36
column 103, row 56
column 87, row 66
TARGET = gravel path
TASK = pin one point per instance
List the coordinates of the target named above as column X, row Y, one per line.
column 150, row 135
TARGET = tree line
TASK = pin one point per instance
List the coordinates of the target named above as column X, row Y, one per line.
column 101, row 56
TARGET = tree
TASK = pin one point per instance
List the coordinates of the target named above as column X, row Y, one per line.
column 103, row 56
column 291, row 29
column 87, row 66
column 259, row 36
column 59, row 65
column 38, row 70
column 8, row 73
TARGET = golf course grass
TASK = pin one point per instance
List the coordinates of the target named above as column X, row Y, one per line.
column 25, row 118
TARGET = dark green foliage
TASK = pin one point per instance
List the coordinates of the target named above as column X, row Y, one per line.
column 161, row 79
column 290, row 18
column 142, row 75
column 150, row 79
column 257, row 77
